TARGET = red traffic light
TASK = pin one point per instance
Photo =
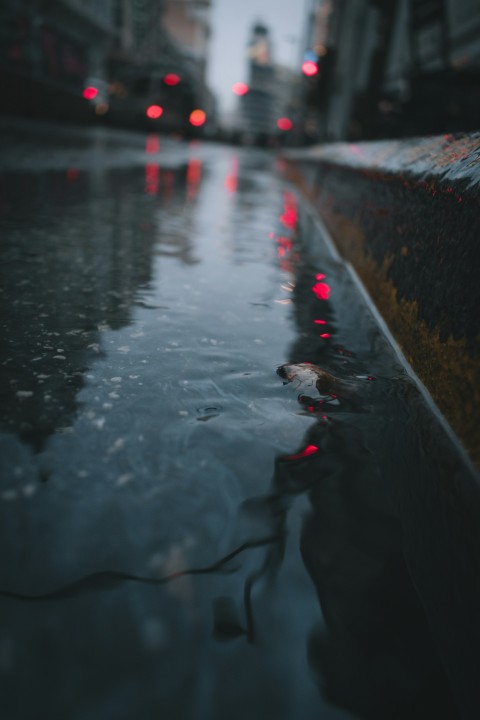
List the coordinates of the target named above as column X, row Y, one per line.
column 240, row 88
column 309, row 68
column 154, row 112
column 284, row 123
column 197, row 118
column 90, row 92
column 171, row 79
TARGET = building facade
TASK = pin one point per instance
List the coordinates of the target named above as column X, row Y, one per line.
column 394, row 67
column 270, row 95
column 157, row 40
column 48, row 53
column 51, row 51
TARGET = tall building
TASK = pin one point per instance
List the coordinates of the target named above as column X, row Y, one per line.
column 394, row 67
column 257, row 105
column 270, row 90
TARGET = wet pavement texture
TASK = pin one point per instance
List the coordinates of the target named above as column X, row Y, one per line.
column 184, row 533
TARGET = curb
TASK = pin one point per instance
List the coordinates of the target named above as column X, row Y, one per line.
column 406, row 215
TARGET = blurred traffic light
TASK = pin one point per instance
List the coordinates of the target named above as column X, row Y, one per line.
column 90, row 92
column 309, row 68
column 240, row 88
column 284, row 123
column 154, row 112
column 197, row 118
column 171, row 79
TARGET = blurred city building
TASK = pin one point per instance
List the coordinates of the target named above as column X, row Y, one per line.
column 390, row 68
column 83, row 60
column 266, row 110
column 49, row 52
column 159, row 58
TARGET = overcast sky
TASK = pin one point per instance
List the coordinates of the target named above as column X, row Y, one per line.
column 232, row 21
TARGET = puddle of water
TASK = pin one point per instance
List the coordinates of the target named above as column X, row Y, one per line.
column 145, row 433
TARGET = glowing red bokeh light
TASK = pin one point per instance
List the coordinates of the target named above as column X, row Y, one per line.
column 284, row 123
column 321, row 290
column 309, row 68
column 90, row 92
column 325, row 335
column 154, row 112
column 240, row 88
column 320, row 322
column 289, row 215
column 197, row 118
column 172, row 79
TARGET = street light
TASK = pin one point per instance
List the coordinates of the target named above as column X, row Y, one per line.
column 240, row 88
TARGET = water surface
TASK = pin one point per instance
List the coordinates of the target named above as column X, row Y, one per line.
column 150, row 289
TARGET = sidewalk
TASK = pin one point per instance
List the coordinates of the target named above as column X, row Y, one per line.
column 406, row 215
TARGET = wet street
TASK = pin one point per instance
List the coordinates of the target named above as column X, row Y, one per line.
column 185, row 532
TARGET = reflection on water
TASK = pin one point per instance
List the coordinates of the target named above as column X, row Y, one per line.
column 90, row 238
column 147, row 309
column 384, row 561
column 135, row 386
column 376, row 655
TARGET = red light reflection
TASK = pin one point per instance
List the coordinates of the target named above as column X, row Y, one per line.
column 325, row 335
column 152, row 177
column 289, row 216
column 194, row 175
column 308, row 450
column 231, row 181
column 289, row 219
column 321, row 290
column 320, row 322
column 284, row 242
column 153, row 144
column 72, row 174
